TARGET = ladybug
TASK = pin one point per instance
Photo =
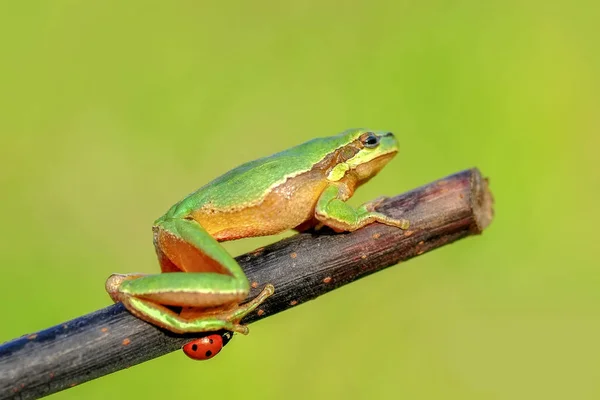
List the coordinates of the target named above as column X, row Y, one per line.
column 207, row 347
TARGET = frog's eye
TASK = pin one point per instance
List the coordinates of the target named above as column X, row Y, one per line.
column 369, row 140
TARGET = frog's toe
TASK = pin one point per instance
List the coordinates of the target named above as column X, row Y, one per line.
column 243, row 329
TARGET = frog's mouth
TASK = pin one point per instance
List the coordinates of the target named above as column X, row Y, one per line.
column 369, row 169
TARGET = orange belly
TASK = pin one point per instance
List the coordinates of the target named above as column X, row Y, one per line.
column 287, row 206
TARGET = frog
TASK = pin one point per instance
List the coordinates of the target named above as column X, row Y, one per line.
column 201, row 287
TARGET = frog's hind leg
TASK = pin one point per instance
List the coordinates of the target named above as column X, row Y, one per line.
column 166, row 265
column 166, row 318
column 113, row 283
column 201, row 274
column 234, row 313
column 177, row 255
column 196, row 319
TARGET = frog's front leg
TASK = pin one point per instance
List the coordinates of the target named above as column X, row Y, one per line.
column 210, row 281
column 334, row 212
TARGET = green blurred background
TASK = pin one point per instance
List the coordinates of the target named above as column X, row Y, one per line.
column 111, row 112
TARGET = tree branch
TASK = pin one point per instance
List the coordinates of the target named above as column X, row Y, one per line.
column 301, row 268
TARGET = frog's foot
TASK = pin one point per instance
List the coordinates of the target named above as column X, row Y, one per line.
column 233, row 315
column 403, row 224
column 241, row 311
column 397, row 222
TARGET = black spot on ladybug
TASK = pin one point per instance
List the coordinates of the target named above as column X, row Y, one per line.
column 194, row 347
column 208, row 353
column 210, row 341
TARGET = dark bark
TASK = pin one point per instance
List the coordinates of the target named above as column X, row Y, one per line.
column 301, row 268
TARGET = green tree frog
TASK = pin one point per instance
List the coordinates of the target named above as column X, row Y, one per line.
column 299, row 188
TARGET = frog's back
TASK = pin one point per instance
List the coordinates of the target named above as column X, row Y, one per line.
column 249, row 183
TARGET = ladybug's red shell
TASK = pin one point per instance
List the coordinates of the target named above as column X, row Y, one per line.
column 206, row 347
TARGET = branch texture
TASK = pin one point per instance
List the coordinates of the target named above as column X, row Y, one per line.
column 301, row 268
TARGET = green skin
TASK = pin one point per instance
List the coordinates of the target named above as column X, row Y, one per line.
column 302, row 187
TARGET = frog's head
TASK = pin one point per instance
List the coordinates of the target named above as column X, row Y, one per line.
column 365, row 154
